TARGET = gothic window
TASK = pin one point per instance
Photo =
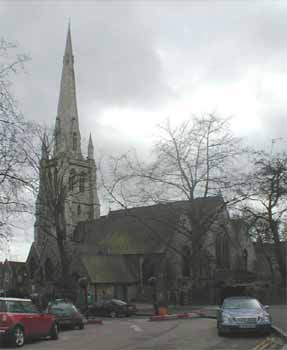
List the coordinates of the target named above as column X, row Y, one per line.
column 82, row 182
column 49, row 270
column 245, row 260
column 72, row 180
column 218, row 251
column 186, row 260
column 225, row 251
column 222, row 251
column 74, row 141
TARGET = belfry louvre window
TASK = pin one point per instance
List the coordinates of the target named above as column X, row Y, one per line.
column 72, row 180
column 74, row 141
column 82, row 182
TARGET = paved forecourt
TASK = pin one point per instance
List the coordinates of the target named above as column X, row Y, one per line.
column 132, row 333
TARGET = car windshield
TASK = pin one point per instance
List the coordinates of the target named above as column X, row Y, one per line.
column 241, row 304
column 63, row 308
column 118, row 302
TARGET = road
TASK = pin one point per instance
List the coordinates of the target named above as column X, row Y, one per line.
column 140, row 334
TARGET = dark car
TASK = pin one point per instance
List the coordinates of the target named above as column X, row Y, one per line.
column 243, row 314
column 111, row 307
column 67, row 315
column 20, row 319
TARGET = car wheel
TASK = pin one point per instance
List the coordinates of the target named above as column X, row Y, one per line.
column 54, row 332
column 18, row 336
column 81, row 326
column 113, row 314
column 220, row 332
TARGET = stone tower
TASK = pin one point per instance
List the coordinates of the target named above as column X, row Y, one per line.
column 65, row 173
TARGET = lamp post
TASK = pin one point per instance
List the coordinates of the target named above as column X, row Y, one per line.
column 83, row 283
column 153, row 283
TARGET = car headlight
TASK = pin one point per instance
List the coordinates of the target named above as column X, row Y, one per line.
column 227, row 319
column 264, row 318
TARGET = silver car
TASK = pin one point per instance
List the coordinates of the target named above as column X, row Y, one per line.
column 241, row 314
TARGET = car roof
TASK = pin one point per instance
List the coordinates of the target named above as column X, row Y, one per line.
column 240, row 298
column 14, row 299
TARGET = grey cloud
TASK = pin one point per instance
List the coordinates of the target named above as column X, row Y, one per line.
column 116, row 60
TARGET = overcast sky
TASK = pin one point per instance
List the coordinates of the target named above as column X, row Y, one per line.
column 139, row 62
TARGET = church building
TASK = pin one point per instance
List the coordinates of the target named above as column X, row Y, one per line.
column 118, row 253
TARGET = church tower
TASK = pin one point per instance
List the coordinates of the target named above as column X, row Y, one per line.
column 65, row 174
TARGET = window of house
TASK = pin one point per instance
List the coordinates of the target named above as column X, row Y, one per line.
column 148, row 269
column 79, row 209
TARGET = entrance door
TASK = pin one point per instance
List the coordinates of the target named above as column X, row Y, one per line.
column 121, row 292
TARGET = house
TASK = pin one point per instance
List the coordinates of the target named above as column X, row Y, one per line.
column 15, row 281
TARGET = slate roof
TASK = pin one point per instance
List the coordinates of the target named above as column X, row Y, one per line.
column 108, row 269
column 142, row 230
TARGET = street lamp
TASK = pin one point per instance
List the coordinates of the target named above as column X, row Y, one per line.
column 83, row 283
column 153, row 283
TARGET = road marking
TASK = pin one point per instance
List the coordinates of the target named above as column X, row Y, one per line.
column 136, row 328
column 263, row 344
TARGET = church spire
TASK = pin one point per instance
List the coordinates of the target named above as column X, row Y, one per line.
column 90, row 148
column 44, row 148
column 67, row 133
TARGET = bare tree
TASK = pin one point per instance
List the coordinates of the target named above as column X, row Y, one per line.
column 195, row 160
column 265, row 207
column 15, row 178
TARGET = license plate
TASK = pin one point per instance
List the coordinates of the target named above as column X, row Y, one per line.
column 247, row 326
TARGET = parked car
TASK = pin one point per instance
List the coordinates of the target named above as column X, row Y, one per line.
column 111, row 307
column 66, row 314
column 20, row 319
column 243, row 314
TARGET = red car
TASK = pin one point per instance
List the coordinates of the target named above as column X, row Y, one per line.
column 20, row 319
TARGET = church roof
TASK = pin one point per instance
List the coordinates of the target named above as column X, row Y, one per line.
column 108, row 269
column 142, row 230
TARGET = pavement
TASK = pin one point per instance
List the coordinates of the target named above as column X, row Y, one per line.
column 278, row 313
column 134, row 333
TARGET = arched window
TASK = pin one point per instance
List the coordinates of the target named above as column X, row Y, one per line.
column 245, row 259
column 218, row 251
column 82, row 182
column 75, row 141
column 79, row 209
column 72, row 180
column 222, row 251
column 186, row 261
column 225, row 251
column 148, row 269
column 49, row 270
